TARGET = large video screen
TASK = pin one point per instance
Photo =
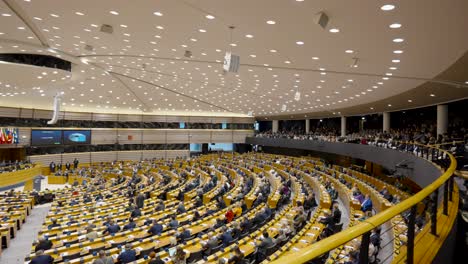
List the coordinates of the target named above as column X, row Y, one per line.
column 46, row 137
column 76, row 137
column 220, row 147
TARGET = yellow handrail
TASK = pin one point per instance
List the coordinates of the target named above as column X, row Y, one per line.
column 315, row 250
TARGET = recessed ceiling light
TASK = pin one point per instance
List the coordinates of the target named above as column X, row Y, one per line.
column 395, row 25
column 466, row 82
column 233, row 44
column 396, row 61
column 79, row 13
column 114, row 13
column 6, row 15
column 387, row 7
column 253, row 55
column 22, row 28
column 432, row 95
column 389, row 105
column 287, row 62
column 315, row 58
column 157, row 13
column 334, row 30
column 124, row 26
column 397, row 51
column 271, row 22
column 202, row 30
column 192, row 39
column 54, row 15
column 349, row 51
column 249, row 36
column 299, row 42
column 392, row 68
column 398, row 40
column 210, row 17
column 273, row 50
column 410, row 101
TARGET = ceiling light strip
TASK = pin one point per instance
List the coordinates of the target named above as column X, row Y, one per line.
column 26, row 20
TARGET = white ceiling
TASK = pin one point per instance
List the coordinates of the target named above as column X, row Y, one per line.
column 141, row 65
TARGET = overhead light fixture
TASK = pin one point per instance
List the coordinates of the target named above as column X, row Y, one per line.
column 334, row 30
column 283, row 107
column 387, row 7
column 297, row 96
column 395, row 25
column 210, row 17
column 271, row 22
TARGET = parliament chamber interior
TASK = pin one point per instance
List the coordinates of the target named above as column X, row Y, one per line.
column 233, row 132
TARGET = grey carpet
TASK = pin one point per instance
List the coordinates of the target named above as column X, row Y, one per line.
column 20, row 246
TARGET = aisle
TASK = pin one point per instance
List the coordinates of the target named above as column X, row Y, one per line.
column 20, row 246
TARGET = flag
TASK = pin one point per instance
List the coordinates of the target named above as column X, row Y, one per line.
column 2, row 136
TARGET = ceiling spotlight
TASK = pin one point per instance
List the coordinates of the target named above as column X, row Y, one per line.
column 387, row 7
column 334, row 30
column 297, row 96
column 395, row 25
column 283, row 108
column 271, row 22
column 157, row 14
column 210, row 17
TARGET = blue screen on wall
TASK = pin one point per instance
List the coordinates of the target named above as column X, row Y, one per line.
column 77, row 137
column 46, row 137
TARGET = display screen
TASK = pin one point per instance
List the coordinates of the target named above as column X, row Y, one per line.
column 195, row 147
column 181, row 125
column 46, row 137
column 76, row 137
column 220, row 147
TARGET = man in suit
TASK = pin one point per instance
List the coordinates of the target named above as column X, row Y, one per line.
column 226, row 237
column 112, row 228
column 75, row 163
column 246, row 225
column 366, row 204
column 136, row 212
column 207, row 246
column 140, row 200
column 128, row 255
column 266, row 243
column 183, row 235
column 336, row 213
column 130, row 225
column 40, row 258
column 160, row 206
column 52, row 167
column 43, row 244
column 181, row 208
column 173, row 223
column 156, row 228
column 67, row 165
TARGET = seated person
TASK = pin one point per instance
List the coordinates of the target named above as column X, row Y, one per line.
column 156, row 228
column 112, row 228
column 173, row 223
column 226, row 236
column 181, row 208
column 207, row 246
column 266, row 242
column 183, row 234
column 103, row 258
column 42, row 258
column 128, row 255
column 43, row 244
column 366, row 204
column 180, row 256
column 130, row 225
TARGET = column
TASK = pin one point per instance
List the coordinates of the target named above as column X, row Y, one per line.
column 442, row 119
column 307, row 126
column 343, row 126
column 386, row 121
column 274, row 126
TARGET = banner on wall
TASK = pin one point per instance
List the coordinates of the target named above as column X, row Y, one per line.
column 9, row 135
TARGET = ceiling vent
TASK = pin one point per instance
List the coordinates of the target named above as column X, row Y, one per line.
column 107, row 29
column 89, row 47
column 188, row 54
